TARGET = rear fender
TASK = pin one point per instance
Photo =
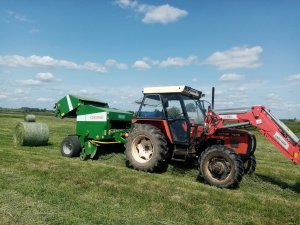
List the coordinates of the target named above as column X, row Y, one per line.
column 160, row 124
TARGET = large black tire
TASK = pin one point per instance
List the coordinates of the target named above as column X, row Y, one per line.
column 146, row 149
column 70, row 146
column 250, row 165
column 221, row 167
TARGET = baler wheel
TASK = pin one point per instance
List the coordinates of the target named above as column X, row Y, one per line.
column 70, row 146
column 146, row 149
column 221, row 167
column 250, row 165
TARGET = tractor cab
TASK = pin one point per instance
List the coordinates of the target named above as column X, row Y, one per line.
column 177, row 111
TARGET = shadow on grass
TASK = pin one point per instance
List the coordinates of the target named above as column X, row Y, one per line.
column 50, row 144
column 182, row 168
column 279, row 183
column 105, row 152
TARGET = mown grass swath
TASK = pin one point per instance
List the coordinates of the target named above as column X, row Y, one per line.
column 39, row 186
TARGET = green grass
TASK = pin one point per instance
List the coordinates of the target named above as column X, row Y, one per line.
column 39, row 186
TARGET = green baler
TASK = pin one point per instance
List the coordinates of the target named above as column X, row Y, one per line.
column 96, row 124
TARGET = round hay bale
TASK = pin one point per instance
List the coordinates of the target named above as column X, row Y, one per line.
column 31, row 134
column 29, row 118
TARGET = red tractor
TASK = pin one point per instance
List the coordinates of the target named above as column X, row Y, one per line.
column 173, row 123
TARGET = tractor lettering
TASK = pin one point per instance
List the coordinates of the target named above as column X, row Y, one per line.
column 259, row 121
column 228, row 117
column 223, row 134
column 96, row 117
column 100, row 117
column 281, row 141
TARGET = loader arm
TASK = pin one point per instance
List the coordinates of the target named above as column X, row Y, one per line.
column 257, row 116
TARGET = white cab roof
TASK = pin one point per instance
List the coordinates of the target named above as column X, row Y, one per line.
column 173, row 89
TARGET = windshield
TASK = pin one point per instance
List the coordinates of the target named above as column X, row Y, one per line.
column 195, row 110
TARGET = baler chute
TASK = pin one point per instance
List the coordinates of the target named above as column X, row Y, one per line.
column 96, row 124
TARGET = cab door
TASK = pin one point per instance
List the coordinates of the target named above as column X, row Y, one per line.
column 177, row 119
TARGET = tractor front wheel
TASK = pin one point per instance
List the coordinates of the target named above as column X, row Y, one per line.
column 146, row 149
column 70, row 146
column 221, row 167
column 250, row 165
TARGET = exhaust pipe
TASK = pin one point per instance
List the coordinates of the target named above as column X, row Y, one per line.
column 213, row 98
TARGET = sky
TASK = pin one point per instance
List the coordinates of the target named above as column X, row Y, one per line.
column 111, row 49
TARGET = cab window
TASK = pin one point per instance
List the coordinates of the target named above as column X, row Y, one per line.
column 151, row 107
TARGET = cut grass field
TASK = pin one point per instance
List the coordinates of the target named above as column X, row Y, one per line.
column 39, row 186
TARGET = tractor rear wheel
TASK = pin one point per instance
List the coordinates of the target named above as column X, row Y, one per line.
column 221, row 167
column 146, row 149
column 250, row 165
column 70, row 146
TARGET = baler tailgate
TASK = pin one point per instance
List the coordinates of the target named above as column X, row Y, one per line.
column 68, row 105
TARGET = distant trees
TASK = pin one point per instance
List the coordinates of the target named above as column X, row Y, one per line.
column 28, row 109
column 173, row 112
column 190, row 107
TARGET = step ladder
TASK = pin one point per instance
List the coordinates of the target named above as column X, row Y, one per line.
column 180, row 154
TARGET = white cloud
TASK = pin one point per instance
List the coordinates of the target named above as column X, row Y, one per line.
column 91, row 66
column 47, row 61
column 19, row 91
column 239, row 98
column 178, row 61
column 2, row 97
column 29, row 82
column 45, row 77
column 295, row 77
column 237, row 57
column 87, row 92
column 163, row 14
column 272, row 97
column 115, row 63
column 151, row 61
column 45, row 100
column 34, row 30
column 154, row 14
column 141, row 65
column 126, row 3
column 231, row 77
column 147, row 63
column 17, row 16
